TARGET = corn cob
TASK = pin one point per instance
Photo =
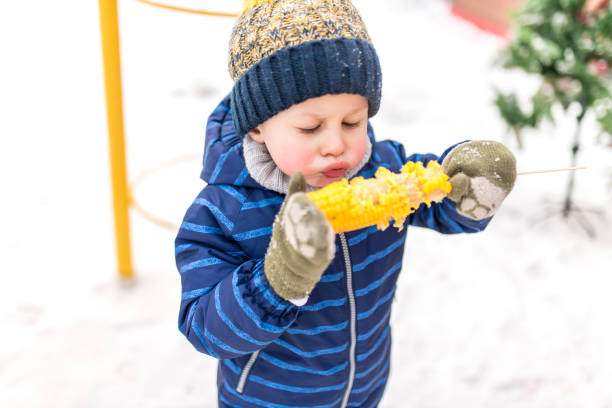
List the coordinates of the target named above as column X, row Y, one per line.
column 387, row 196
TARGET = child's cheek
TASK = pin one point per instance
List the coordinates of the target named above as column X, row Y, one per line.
column 299, row 160
column 357, row 150
column 290, row 158
column 360, row 150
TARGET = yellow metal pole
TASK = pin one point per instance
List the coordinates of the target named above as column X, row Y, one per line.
column 114, row 111
column 188, row 10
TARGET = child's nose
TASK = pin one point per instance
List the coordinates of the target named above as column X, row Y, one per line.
column 334, row 144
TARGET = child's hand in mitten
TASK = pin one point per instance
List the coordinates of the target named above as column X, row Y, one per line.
column 482, row 174
column 302, row 244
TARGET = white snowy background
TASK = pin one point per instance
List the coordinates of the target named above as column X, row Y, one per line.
column 517, row 316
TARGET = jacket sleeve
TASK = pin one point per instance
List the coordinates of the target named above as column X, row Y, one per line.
column 442, row 217
column 227, row 307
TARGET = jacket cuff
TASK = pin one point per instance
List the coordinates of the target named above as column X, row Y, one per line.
column 264, row 301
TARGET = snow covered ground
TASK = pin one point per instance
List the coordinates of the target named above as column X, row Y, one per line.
column 518, row 316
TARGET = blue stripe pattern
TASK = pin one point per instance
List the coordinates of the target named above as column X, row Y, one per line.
column 382, row 357
column 199, row 264
column 234, row 193
column 393, row 270
column 383, row 321
column 244, row 173
column 309, row 354
column 263, row 203
column 383, row 337
column 250, row 313
column 220, row 163
column 378, row 255
column 217, row 212
column 292, row 367
column 257, row 402
column 256, row 233
column 197, row 293
column 182, row 248
column 332, row 277
column 381, row 301
column 319, row 329
column 238, row 332
column 198, row 332
column 203, row 229
column 362, row 236
column 368, row 385
column 324, row 304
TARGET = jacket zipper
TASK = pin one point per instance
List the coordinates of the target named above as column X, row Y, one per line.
column 245, row 372
column 352, row 324
column 353, row 319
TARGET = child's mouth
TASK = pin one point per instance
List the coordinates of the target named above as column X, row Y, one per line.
column 335, row 173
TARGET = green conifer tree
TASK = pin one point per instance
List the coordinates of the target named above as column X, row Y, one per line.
column 568, row 45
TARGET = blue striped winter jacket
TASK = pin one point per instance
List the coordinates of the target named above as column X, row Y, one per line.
column 332, row 352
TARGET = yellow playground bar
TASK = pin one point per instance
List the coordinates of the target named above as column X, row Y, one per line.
column 122, row 198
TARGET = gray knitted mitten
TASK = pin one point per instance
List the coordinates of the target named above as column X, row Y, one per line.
column 482, row 174
column 302, row 244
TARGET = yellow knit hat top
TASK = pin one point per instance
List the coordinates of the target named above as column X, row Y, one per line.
column 267, row 26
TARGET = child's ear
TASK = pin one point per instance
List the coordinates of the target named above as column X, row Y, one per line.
column 256, row 135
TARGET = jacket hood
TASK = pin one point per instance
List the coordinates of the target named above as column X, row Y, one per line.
column 223, row 158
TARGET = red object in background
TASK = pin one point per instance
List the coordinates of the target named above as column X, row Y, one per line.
column 592, row 6
column 600, row 67
column 492, row 16
column 592, row 9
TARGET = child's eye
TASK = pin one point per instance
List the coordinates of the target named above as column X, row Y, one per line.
column 351, row 125
column 310, row 130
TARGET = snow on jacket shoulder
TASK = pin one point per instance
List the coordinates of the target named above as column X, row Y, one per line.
column 334, row 350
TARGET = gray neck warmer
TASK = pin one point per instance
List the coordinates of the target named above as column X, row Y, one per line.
column 264, row 171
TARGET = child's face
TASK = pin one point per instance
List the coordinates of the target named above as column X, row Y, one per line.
column 322, row 137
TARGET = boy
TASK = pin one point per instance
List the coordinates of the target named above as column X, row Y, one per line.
column 296, row 315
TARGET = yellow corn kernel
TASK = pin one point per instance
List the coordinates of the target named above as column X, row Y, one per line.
column 387, row 196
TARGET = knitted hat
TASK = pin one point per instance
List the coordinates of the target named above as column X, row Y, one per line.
column 283, row 52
